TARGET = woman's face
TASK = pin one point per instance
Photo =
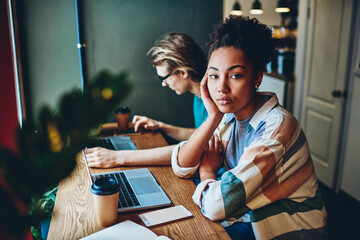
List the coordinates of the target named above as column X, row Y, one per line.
column 178, row 82
column 231, row 82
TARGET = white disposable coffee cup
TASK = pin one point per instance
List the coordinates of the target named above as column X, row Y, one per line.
column 106, row 196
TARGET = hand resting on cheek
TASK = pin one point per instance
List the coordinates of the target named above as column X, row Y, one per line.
column 210, row 106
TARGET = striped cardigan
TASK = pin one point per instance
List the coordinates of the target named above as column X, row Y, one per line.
column 273, row 185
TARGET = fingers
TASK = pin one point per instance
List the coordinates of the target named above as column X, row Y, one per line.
column 99, row 157
column 137, row 126
column 135, row 118
column 214, row 143
column 203, row 86
column 204, row 79
column 88, row 150
column 212, row 159
column 210, row 145
column 92, row 154
column 140, row 122
column 217, row 143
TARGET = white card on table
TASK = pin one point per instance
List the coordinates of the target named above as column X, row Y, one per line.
column 165, row 215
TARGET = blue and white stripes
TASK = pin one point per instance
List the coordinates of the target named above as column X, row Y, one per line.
column 273, row 181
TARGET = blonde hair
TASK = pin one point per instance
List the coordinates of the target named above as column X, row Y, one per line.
column 179, row 51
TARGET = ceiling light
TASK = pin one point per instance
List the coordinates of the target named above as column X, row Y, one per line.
column 236, row 9
column 256, row 8
column 282, row 7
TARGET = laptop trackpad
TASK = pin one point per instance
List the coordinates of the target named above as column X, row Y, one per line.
column 144, row 185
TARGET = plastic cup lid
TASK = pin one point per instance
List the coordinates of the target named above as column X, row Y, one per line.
column 104, row 186
column 122, row 110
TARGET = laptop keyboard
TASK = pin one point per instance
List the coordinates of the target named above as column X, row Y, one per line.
column 127, row 197
column 106, row 143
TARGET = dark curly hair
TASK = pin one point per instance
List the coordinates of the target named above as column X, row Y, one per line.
column 249, row 35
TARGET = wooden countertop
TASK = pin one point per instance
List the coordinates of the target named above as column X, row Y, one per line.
column 74, row 217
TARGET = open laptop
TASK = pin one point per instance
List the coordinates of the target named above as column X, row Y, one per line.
column 138, row 188
column 114, row 143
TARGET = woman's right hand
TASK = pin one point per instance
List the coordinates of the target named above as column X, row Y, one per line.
column 209, row 104
column 142, row 122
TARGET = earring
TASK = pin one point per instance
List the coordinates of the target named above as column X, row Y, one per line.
column 256, row 86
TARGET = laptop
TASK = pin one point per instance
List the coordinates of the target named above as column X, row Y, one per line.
column 138, row 188
column 114, row 143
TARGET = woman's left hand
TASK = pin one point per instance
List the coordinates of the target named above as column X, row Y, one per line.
column 212, row 159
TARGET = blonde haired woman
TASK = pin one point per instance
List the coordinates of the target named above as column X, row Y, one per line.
column 180, row 64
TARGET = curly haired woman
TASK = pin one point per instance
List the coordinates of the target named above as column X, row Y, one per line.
column 269, row 189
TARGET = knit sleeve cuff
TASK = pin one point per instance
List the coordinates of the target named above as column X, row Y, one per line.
column 184, row 172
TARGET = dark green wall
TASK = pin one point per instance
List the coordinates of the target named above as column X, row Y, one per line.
column 118, row 34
